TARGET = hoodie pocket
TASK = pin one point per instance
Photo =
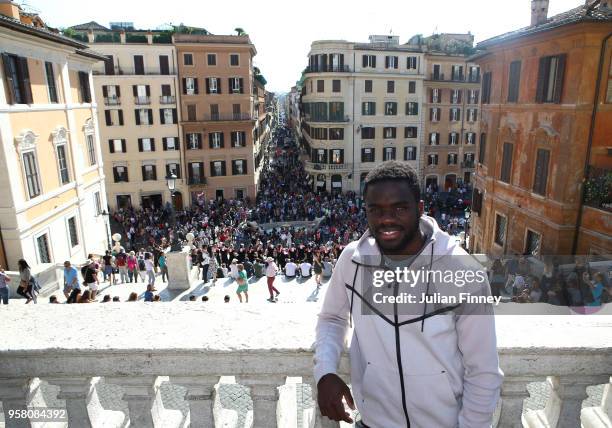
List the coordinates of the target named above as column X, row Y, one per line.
column 381, row 405
column 431, row 401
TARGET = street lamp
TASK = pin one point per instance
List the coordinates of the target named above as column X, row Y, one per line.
column 175, row 245
column 106, row 217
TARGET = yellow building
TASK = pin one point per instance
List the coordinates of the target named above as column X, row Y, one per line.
column 51, row 171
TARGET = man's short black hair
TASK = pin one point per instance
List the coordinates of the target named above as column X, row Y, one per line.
column 394, row 171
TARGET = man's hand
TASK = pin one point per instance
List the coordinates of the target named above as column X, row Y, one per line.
column 330, row 391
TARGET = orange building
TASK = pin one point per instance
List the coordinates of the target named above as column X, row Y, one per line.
column 544, row 172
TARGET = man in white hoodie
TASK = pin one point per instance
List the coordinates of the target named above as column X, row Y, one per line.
column 413, row 365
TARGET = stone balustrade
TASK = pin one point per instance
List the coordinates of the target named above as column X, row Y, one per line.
column 251, row 365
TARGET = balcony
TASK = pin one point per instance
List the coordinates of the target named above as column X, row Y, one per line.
column 329, row 69
column 142, row 100
column 336, row 119
column 473, row 79
column 167, row 99
column 194, row 181
column 231, row 117
column 315, row 166
column 467, row 164
column 112, row 101
column 457, row 78
column 436, row 76
column 131, row 71
column 222, row 372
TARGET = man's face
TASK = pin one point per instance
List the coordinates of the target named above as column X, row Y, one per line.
column 393, row 215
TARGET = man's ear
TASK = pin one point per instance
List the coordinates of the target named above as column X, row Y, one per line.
column 421, row 207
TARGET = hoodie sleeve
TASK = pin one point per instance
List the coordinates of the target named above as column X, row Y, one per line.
column 483, row 377
column 332, row 326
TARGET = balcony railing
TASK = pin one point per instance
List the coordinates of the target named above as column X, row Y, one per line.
column 167, row 99
column 336, row 119
column 437, row 76
column 142, row 100
column 112, row 101
column 315, row 166
column 329, row 69
column 130, row 71
column 196, row 180
column 228, row 117
column 267, row 378
column 467, row 164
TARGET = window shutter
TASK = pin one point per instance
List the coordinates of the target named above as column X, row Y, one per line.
column 123, row 146
column 222, row 139
column 559, row 78
column 374, row 61
column 243, row 139
column 364, row 61
column 161, row 116
column 229, row 85
column 152, row 144
column 8, row 75
column 144, row 172
column 135, row 90
column 118, row 90
column 120, row 113
column 195, row 85
column 150, row 116
column 140, row 145
column 542, row 72
column 460, row 95
column 184, row 86
column 241, row 85
column 105, row 91
column 223, row 172
column 127, row 177
column 176, row 143
column 476, row 96
column 164, row 144
column 168, row 170
column 245, row 167
column 416, row 108
column 148, row 90
column 107, row 117
column 219, row 85
column 210, row 140
column 431, row 95
column 137, row 117
column 199, row 140
column 115, row 175
column 111, row 146
column 208, row 85
column 396, row 63
column 174, row 116
column 386, row 62
column 25, row 76
column 450, row 114
column 154, row 172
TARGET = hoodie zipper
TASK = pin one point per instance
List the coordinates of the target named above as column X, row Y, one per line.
column 398, row 354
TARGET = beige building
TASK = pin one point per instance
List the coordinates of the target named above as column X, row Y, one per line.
column 361, row 105
column 218, row 119
column 451, row 111
column 137, row 87
column 51, row 172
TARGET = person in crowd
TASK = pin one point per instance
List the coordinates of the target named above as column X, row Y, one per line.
column 305, row 269
column 133, row 297
column 317, row 268
column 116, row 299
column 150, row 270
column 328, row 268
column 132, row 266
column 535, row 291
column 85, row 297
column 157, row 298
column 163, row 267
column 597, row 289
column 192, row 298
column 4, row 291
column 26, row 286
column 71, row 278
column 53, row 299
column 233, row 269
column 142, row 266
column 226, row 299
column 148, row 295
column 243, row 285
column 290, row 269
column 106, row 298
column 205, row 263
column 121, row 261
column 498, row 277
column 205, row 298
column 108, row 266
column 271, row 271
column 90, row 278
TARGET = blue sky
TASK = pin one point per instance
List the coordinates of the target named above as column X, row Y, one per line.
column 282, row 31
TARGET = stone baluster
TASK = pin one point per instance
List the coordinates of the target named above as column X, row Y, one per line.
column 14, row 396
column 572, row 391
column 139, row 393
column 513, row 393
column 75, row 390
column 200, row 396
column 264, row 392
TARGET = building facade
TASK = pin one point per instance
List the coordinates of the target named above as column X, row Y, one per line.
column 217, row 114
column 361, row 105
column 542, row 183
column 137, row 87
column 451, row 116
column 52, row 171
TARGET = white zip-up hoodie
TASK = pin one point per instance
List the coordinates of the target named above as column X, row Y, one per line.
column 450, row 375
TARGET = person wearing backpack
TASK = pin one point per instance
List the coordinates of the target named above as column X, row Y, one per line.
column 142, row 268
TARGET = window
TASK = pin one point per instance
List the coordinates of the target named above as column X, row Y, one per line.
column 113, row 117
column 455, row 95
column 30, row 168
column 412, row 109
column 149, row 173
column 120, row 174
column 388, row 153
column 213, row 85
column 170, row 143
column 336, row 111
column 514, row 81
column 139, row 65
column 472, row 115
column 435, row 95
column 474, row 74
column 434, row 139
column 368, row 61
column 215, row 140
column 320, row 85
column 168, row 116
column 473, row 96
column 432, row 159
column 42, row 242
column 368, row 108
column 390, row 86
column 506, row 166
column 389, row 132
column 214, row 111
column 410, row 132
column 457, row 72
column 234, row 60
column 190, row 86
column 217, row 168
column 146, row 145
column 319, row 155
column 187, row 59
column 164, row 66
column 452, row 159
column 211, row 59
column 235, row 84
column 109, row 65
column 410, row 153
column 412, row 87
column 239, row 167
column 486, row 88
column 532, row 243
column 368, row 86
column 468, row 159
column 390, row 61
column 191, row 112
column 367, row 155
column 453, row 139
column 390, row 108
column 368, row 132
column 238, row 138
column 196, row 172
column 500, row 229
column 62, row 163
column 411, row 63
column 72, row 232
column 540, row 178
column 550, row 79
column 455, row 115
column 470, row 138
column 173, row 168
column 434, row 114
column 84, row 90
column 337, row 156
column 51, row 87
column 483, row 148
column 91, row 149
column 194, row 141
column 319, row 133
column 97, row 203
column 336, row 85
column 336, row 133
column 144, row 116
column 117, row 146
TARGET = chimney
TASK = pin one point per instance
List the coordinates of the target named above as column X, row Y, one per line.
column 539, row 12
column 10, row 9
